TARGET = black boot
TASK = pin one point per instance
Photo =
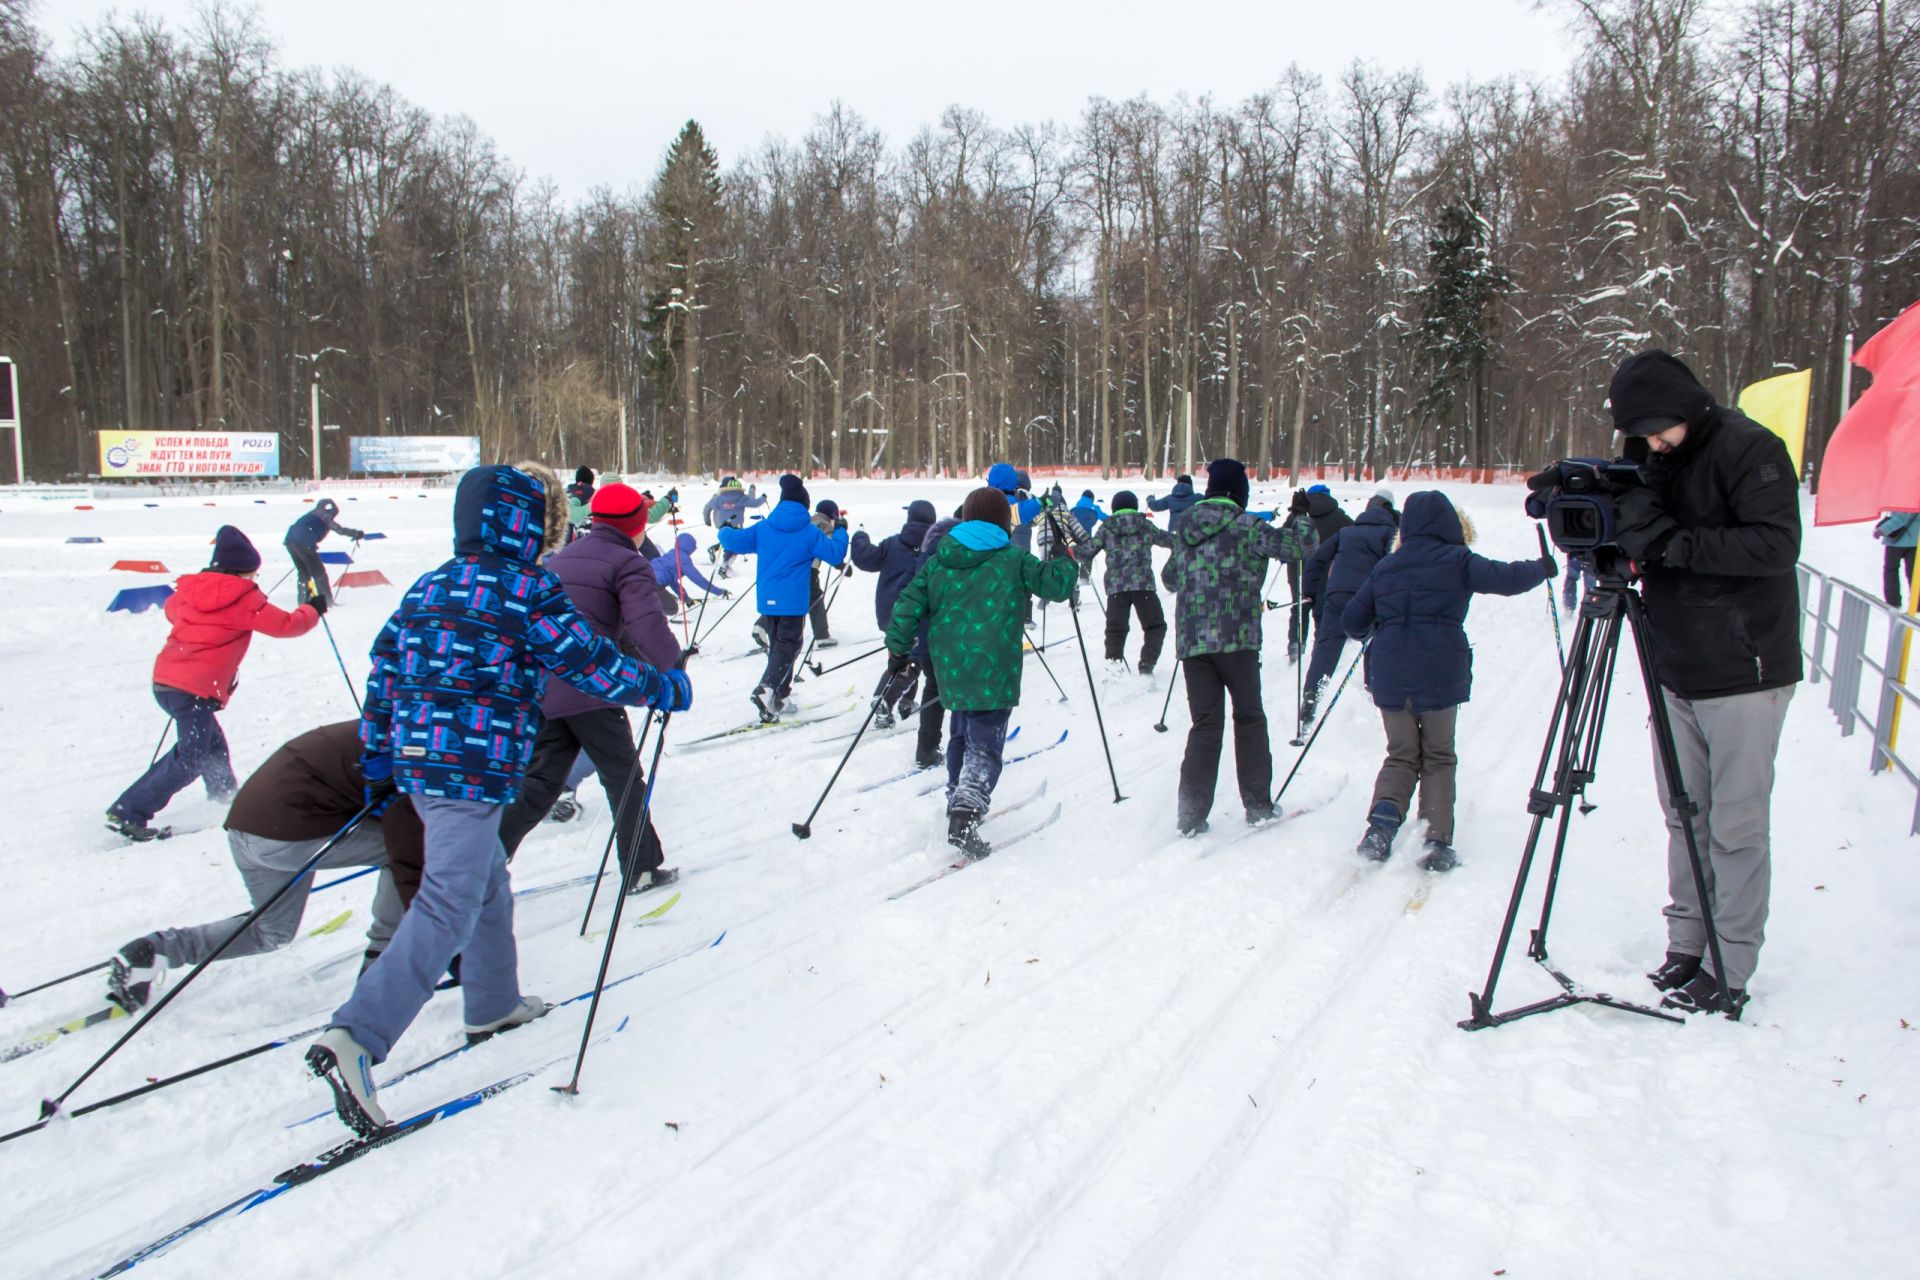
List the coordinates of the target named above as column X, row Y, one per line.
column 931, row 759
column 1702, row 995
column 1676, row 971
column 1438, row 856
column 963, row 833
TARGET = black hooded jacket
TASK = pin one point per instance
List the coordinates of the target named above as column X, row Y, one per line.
column 1724, row 603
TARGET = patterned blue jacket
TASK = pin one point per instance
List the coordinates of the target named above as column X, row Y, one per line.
column 454, row 694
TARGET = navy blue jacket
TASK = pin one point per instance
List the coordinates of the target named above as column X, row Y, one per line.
column 1415, row 606
column 317, row 524
column 459, row 669
column 786, row 543
column 1339, row 566
column 896, row 559
column 1176, row 504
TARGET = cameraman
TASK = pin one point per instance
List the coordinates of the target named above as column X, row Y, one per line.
column 1714, row 533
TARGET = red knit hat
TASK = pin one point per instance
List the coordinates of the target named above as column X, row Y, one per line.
column 621, row 506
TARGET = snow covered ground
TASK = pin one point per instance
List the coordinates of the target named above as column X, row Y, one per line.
column 1108, row 1052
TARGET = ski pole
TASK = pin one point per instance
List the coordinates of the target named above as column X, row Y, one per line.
column 1035, row 649
column 825, row 610
column 1322, row 722
column 328, row 628
column 805, row 829
column 698, row 636
column 282, row 578
column 1296, row 626
column 155, row 1085
column 7, row 998
column 819, row 670
column 351, row 875
column 165, row 729
column 572, row 1087
column 1093, row 691
column 1553, row 610
column 50, row 1107
column 620, row 812
column 1173, row 678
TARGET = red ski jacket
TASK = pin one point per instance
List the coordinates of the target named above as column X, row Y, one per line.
column 214, row 616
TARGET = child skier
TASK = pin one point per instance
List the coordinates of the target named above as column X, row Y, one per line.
column 1129, row 537
column 580, row 502
column 971, row 593
column 675, row 569
column 1338, row 567
column 214, row 615
column 787, row 543
column 895, row 559
column 303, row 546
column 611, row 585
column 283, row 814
column 1218, row 570
column 1419, row 667
column 451, row 711
column 828, row 520
column 727, row 509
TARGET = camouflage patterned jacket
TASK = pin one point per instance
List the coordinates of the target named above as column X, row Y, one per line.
column 970, row 592
column 1128, row 538
column 1218, row 570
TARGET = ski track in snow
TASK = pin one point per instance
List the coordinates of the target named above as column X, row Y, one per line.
column 1104, row 1051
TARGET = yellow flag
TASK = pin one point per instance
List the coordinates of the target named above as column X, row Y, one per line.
column 1780, row 405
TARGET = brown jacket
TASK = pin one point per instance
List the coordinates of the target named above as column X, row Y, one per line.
column 310, row 787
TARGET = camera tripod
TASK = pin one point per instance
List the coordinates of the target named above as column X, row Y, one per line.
column 1572, row 750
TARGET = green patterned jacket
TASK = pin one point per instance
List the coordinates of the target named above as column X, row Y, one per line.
column 1218, row 571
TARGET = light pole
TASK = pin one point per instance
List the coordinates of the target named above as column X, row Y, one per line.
column 10, row 414
column 313, row 398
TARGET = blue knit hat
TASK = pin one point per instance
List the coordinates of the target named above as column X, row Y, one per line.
column 1002, row 476
column 233, row 553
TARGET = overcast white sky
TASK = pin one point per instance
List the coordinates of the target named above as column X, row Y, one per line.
column 591, row 93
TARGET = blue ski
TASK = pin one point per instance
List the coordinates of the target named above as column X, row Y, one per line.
column 916, row 771
column 927, row 791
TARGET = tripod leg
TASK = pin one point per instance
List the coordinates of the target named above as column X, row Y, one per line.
column 1594, row 686
column 1683, row 803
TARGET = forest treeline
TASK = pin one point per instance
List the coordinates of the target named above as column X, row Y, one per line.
column 1361, row 272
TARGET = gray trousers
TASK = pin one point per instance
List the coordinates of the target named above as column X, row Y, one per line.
column 464, row 908
column 1726, row 748
column 264, row 866
column 1420, row 750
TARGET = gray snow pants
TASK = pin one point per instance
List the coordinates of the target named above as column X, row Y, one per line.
column 1726, row 748
column 1419, row 751
column 264, row 866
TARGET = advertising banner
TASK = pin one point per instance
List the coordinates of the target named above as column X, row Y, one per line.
column 162, row 454
column 412, row 455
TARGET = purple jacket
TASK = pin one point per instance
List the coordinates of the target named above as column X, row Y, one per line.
column 669, row 569
column 611, row 586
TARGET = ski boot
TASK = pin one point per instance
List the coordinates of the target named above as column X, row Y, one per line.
column 1438, row 855
column 565, row 808
column 1382, row 825
column 138, row 971
column 760, row 637
column 824, row 642
column 529, row 1008
column 138, row 832
column 905, row 708
column 882, row 714
column 1146, row 669
column 1116, row 668
column 1676, row 971
column 1194, row 829
column 963, row 833
column 653, row 879
column 1702, row 995
column 767, row 703
column 337, row 1058
column 1261, row 815
column 928, row 759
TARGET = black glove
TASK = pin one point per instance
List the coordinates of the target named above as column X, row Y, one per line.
column 1642, row 526
column 1550, row 566
column 1298, row 507
column 841, row 524
column 319, row 604
column 899, row 666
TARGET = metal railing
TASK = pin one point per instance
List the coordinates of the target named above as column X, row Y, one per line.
column 1840, row 650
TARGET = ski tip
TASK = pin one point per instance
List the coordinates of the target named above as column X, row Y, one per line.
column 722, row 936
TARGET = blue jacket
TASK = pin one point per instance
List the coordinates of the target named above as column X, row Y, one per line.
column 787, row 544
column 1341, row 564
column 1176, row 504
column 1899, row 529
column 895, row 559
column 669, row 569
column 459, row 669
column 1415, row 606
column 1088, row 513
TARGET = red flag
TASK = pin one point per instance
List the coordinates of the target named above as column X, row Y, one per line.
column 1872, row 463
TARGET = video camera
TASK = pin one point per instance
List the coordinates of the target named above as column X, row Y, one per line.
column 1575, row 497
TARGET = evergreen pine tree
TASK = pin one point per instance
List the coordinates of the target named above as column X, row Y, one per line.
column 686, row 236
column 1458, row 322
